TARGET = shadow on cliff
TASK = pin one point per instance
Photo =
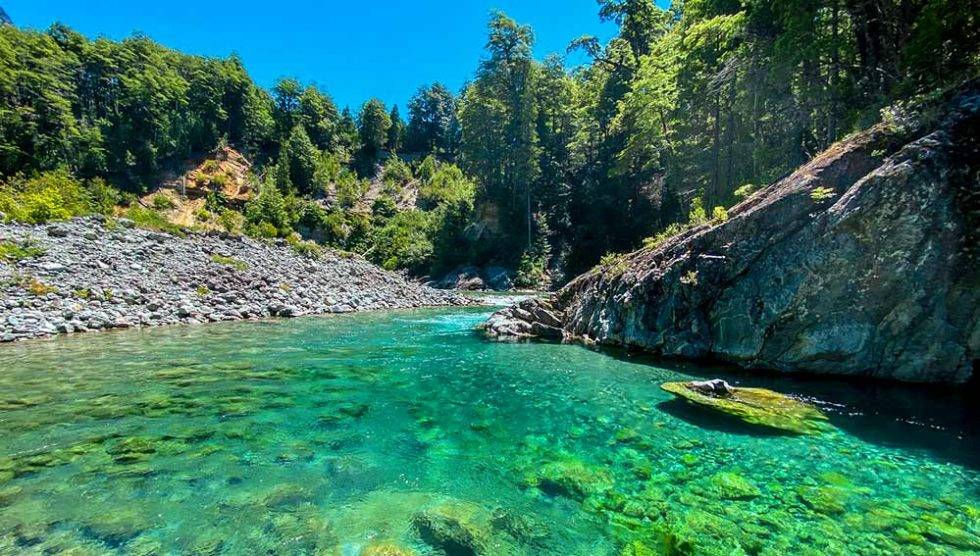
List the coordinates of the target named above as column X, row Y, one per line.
column 943, row 420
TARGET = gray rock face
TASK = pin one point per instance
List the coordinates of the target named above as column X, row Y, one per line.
column 93, row 277
column 862, row 262
column 474, row 278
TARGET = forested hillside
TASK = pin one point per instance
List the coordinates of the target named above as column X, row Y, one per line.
column 534, row 165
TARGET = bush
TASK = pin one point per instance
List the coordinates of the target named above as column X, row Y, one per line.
column 719, row 215
column 384, row 207
column 152, row 220
column 350, row 190
column 269, row 209
column 162, row 202
column 41, row 199
column 262, row 230
column 403, row 242
column 396, row 172
column 237, row 264
column 447, row 185
column 308, row 249
column 231, row 221
column 14, row 252
column 674, row 229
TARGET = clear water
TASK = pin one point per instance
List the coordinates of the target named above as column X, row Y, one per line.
column 331, row 435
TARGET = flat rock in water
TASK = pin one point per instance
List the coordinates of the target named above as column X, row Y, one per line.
column 757, row 406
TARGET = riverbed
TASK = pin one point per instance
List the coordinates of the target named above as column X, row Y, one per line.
column 406, row 432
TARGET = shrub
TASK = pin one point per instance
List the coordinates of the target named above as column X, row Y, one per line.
column 47, row 197
column 396, row 172
column 262, row 230
column 307, row 249
column 403, row 242
column 719, row 215
column 671, row 231
column 202, row 291
column 745, row 191
column 237, row 264
column 447, row 185
column 821, row 194
column 152, row 220
column 697, row 216
column 384, row 207
column 268, row 208
column 14, row 252
column 231, row 221
column 39, row 288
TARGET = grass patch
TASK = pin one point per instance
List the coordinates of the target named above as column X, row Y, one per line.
column 14, row 252
column 237, row 264
column 152, row 220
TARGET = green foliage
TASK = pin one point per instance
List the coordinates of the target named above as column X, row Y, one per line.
column 404, row 242
column 151, row 219
column 447, row 184
column 162, row 202
column 432, row 121
column 202, row 291
column 302, row 158
column 697, row 216
column 266, row 214
column 231, row 221
column 821, row 194
column 13, row 252
column 396, row 172
column 373, row 125
column 44, row 198
column 719, row 215
column 669, row 232
column 237, row 264
column 384, row 207
column 745, row 191
column 350, row 190
column 308, row 249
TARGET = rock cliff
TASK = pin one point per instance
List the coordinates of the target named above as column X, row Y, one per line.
column 862, row 262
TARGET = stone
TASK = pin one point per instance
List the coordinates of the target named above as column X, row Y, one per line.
column 572, row 479
column 823, row 499
column 732, row 486
column 758, row 406
column 387, row 549
column 456, row 528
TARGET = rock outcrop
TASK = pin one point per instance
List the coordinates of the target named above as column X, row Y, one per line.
column 88, row 275
column 862, row 262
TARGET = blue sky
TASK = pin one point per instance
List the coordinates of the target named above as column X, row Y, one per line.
column 353, row 50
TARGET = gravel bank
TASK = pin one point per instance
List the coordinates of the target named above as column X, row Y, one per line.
column 94, row 277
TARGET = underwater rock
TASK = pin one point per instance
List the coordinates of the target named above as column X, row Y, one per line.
column 572, row 479
column 757, row 406
column 7, row 495
column 732, row 486
column 947, row 534
column 387, row 549
column 456, row 528
column 823, row 499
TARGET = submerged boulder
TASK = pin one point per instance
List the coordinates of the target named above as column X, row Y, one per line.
column 861, row 262
column 756, row 406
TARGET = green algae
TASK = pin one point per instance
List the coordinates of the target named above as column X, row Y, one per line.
column 758, row 406
column 405, row 435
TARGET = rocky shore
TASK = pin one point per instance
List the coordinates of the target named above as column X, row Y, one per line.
column 92, row 274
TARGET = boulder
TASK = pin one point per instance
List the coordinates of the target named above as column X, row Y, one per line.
column 862, row 262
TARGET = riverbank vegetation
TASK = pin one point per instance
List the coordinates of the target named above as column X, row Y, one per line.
column 533, row 165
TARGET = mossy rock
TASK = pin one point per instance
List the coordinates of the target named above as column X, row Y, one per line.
column 732, row 486
column 945, row 533
column 758, row 406
column 456, row 528
column 572, row 479
column 387, row 549
column 637, row 548
column 823, row 499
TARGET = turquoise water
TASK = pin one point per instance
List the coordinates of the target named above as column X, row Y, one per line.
column 406, row 433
